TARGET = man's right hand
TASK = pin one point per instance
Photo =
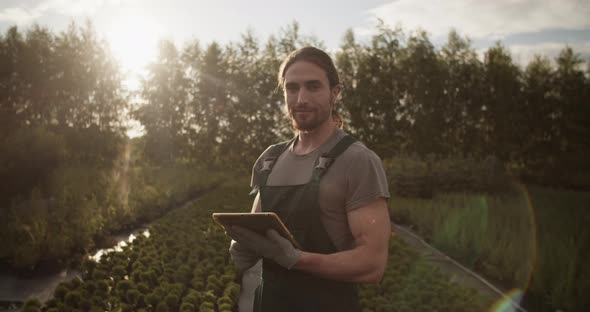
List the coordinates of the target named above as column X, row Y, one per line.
column 242, row 256
column 271, row 246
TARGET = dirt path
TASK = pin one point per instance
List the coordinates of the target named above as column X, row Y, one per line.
column 456, row 272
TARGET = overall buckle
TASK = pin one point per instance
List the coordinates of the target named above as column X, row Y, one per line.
column 324, row 162
column 268, row 164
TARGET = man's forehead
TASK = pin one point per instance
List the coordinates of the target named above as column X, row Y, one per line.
column 305, row 72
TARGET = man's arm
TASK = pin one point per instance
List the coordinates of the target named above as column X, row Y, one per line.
column 365, row 263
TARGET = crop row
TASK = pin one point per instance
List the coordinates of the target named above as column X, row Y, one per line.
column 184, row 266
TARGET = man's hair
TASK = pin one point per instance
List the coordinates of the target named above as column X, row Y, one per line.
column 312, row 55
column 318, row 58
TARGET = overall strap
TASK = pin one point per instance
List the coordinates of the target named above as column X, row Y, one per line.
column 269, row 161
column 327, row 159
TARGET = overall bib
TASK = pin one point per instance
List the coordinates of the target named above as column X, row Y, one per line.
column 298, row 207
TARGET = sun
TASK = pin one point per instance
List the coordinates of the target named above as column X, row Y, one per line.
column 133, row 40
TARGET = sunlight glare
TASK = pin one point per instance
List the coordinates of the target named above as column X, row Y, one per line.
column 133, row 40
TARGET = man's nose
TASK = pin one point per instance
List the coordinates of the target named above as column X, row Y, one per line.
column 302, row 96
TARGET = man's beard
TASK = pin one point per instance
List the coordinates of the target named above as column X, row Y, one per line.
column 312, row 122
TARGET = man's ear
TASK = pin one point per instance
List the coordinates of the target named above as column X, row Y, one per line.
column 336, row 90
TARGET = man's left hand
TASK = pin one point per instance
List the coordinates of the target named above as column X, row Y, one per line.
column 272, row 246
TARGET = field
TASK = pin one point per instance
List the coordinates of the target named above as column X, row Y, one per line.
column 536, row 239
column 184, row 266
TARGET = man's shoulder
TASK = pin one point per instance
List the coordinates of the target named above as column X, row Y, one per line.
column 359, row 149
column 358, row 157
column 274, row 149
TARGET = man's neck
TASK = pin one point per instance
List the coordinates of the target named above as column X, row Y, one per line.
column 309, row 141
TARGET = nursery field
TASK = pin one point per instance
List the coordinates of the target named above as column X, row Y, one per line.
column 184, row 266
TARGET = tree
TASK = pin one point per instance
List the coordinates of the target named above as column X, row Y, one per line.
column 540, row 103
column 165, row 112
column 255, row 112
column 503, row 116
column 210, row 104
column 423, row 95
column 572, row 118
column 463, row 99
column 373, row 95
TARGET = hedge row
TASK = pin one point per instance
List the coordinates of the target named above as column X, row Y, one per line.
column 423, row 177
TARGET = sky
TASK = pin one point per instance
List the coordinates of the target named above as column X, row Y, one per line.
column 133, row 27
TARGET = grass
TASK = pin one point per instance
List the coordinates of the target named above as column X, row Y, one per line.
column 508, row 237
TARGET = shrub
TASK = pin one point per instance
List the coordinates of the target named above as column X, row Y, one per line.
column 60, row 292
column 194, row 297
column 102, row 287
column 88, row 266
column 162, row 307
column 133, row 296
column 172, row 301
column 31, row 305
column 423, row 177
column 207, row 307
column 143, row 288
column 72, row 299
column 225, row 307
column 152, row 299
column 224, row 300
column 232, row 290
column 187, row 307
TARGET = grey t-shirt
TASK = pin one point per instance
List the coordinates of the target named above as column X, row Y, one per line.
column 355, row 179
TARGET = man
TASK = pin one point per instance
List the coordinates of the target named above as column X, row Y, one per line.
column 330, row 191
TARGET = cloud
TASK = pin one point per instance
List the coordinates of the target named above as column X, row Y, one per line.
column 484, row 19
column 523, row 54
column 20, row 15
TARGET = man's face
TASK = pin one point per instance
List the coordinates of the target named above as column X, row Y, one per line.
column 308, row 95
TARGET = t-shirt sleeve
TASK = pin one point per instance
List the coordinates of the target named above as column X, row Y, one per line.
column 366, row 180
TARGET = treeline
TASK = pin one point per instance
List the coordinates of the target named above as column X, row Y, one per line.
column 402, row 96
column 61, row 101
column 220, row 104
column 405, row 96
column 216, row 104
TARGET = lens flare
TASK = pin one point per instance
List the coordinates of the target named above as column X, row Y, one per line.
column 533, row 234
column 513, row 298
column 507, row 304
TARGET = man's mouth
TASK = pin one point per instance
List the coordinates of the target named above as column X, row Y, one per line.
column 303, row 110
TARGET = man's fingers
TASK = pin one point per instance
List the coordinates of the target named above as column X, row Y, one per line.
column 247, row 234
column 278, row 238
column 273, row 235
column 237, row 236
column 247, row 238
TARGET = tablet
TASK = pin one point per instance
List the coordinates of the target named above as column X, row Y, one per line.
column 258, row 222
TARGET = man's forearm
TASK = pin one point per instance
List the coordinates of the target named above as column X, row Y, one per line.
column 358, row 265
